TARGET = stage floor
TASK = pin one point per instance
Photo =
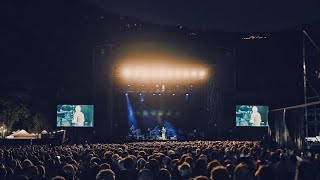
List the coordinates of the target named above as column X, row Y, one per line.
column 143, row 138
column 167, row 140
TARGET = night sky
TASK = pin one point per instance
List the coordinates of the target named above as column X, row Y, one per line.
column 249, row 15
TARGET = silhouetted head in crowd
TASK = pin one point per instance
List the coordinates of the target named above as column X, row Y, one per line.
column 242, row 172
column 190, row 161
column 58, row 178
column 201, row 178
column 153, row 166
column 106, row 174
column 141, row 163
column 164, row 174
column 95, row 161
column 3, row 173
column 306, row 170
column 200, row 167
column 185, row 170
column 104, row 166
column 31, row 172
column 212, row 165
column 128, row 163
column 264, row 172
column 183, row 157
column 42, row 171
column 26, row 163
column 219, row 173
column 145, row 174
column 230, row 169
column 68, row 172
column 245, row 152
column 166, row 162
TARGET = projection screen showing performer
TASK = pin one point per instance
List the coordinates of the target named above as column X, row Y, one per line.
column 252, row 115
column 75, row 115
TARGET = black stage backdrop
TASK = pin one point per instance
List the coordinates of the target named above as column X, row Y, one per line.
column 286, row 127
column 184, row 113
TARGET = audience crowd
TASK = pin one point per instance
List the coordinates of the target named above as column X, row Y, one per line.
column 199, row 160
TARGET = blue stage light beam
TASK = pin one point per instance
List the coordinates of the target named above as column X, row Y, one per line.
column 131, row 116
column 170, row 130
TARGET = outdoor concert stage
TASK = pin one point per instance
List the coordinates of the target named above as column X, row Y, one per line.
column 157, row 90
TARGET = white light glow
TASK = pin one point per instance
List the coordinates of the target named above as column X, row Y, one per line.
column 154, row 73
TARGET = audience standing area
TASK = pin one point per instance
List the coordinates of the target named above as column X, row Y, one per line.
column 217, row 160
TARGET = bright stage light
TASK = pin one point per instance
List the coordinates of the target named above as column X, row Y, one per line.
column 170, row 74
column 126, row 72
column 202, row 74
column 194, row 74
column 146, row 73
column 178, row 74
column 136, row 74
column 186, row 74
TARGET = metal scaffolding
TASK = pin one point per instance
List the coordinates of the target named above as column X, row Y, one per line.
column 311, row 94
column 211, row 105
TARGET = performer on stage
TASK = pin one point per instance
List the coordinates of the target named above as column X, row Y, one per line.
column 132, row 130
column 163, row 131
column 255, row 117
column 78, row 117
column 65, row 115
column 243, row 115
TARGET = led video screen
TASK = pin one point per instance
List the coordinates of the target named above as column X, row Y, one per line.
column 252, row 115
column 75, row 115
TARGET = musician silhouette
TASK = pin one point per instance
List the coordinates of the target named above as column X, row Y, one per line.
column 132, row 130
column 163, row 131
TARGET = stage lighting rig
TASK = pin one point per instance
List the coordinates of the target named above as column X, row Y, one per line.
column 162, row 73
